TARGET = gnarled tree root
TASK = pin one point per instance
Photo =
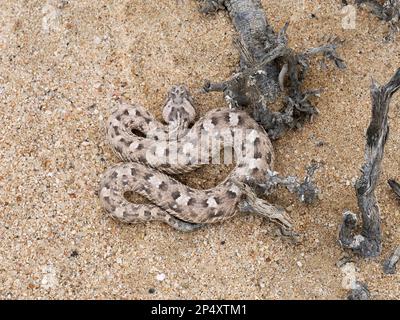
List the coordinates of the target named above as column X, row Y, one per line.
column 369, row 242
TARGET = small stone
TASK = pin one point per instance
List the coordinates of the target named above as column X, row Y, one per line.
column 152, row 290
column 299, row 264
column 160, row 277
column 289, row 208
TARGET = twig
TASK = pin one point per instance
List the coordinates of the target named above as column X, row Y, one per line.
column 306, row 190
column 389, row 266
column 368, row 243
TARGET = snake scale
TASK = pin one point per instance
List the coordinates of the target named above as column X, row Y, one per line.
column 152, row 150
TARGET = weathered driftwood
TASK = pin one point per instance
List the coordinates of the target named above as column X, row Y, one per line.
column 306, row 190
column 388, row 11
column 368, row 243
column 266, row 63
column 389, row 266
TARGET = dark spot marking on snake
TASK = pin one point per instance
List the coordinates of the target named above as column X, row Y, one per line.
column 116, row 130
column 191, row 202
column 133, row 172
column 163, row 186
column 269, row 157
column 147, row 213
column 147, row 176
column 214, row 120
column 257, row 155
column 140, row 146
column 257, row 141
column 106, row 199
column 227, row 117
column 126, row 112
column 255, row 170
column 124, row 141
column 118, row 117
column 147, row 120
column 175, row 195
column 231, row 194
column 204, row 203
column 114, row 174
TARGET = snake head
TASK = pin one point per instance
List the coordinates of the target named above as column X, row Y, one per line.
column 178, row 108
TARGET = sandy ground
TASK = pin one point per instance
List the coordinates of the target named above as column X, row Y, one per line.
column 64, row 65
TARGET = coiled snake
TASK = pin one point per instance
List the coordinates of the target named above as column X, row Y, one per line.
column 151, row 150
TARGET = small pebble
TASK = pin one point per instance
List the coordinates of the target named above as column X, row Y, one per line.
column 160, row 277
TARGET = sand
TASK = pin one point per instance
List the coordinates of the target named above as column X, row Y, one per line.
column 65, row 64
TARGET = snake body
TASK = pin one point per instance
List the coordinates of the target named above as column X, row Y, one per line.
column 151, row 150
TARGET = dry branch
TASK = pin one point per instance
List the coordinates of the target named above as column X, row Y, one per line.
column 265, row 63
column 389, row 266
column 368, row 243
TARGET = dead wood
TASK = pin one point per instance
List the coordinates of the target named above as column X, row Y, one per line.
column 389, row 266
column 368, row 242
column 268, row 67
